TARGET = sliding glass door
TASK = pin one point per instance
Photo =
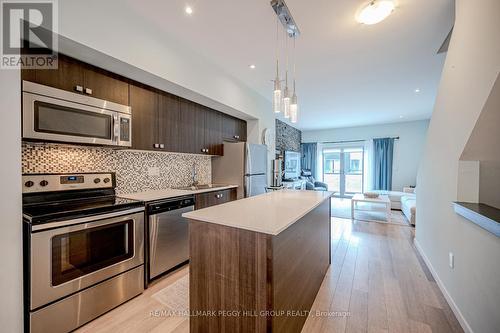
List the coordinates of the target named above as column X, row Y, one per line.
column 343, row 170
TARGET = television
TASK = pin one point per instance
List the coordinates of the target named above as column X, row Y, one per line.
column 292, row 165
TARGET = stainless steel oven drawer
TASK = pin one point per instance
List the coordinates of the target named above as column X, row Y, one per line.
column 67, row 259
column 80, row 308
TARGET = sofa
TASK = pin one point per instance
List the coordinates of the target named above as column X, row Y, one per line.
column 405, row 201
column 311, row 183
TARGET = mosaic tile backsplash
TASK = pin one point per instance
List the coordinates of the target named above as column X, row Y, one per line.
column 132, row 167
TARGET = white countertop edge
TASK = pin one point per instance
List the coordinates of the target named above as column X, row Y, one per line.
column 168, row 193
column 251, row 228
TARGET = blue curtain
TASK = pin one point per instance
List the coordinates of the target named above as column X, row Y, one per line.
column 383, row 152
column 309, row 154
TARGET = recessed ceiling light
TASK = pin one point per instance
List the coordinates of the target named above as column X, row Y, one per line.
column 401, row 117
column 375, row 12
column 252, row 66
column 189, row 10
column 417, row 90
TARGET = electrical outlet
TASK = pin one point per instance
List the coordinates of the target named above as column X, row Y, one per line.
column 451, row 260
column 153, row 171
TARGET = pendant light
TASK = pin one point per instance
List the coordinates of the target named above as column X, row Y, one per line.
column 294, row 107
column 286, row 92
column 277, row 85
column 284, row 100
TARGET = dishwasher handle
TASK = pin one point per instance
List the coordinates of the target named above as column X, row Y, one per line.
column 169, row 205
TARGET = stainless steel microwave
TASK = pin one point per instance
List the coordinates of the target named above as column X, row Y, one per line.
column 56, row 115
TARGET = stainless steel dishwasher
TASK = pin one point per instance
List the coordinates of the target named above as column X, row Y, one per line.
column 168, row 234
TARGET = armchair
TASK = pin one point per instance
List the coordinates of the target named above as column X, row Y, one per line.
column 311, row 183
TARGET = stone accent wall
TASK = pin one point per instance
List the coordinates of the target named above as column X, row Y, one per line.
column 131, row 166
column 287, row 137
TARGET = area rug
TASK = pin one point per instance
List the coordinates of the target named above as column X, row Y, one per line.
column 175, row 297
column 341, row 207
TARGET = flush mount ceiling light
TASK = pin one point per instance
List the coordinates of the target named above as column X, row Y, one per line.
column 189, row 10
column 252, row 66
column 375, row 12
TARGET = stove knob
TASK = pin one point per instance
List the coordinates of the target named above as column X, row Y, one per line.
column 44, row 183
column 29, row 183
column 107, row 180
column 97, row 180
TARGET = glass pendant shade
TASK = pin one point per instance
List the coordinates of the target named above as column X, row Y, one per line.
column 286, row 103
column 277, row 96
column 294, row 109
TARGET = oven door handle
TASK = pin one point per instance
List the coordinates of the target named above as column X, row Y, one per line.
column 92, row 218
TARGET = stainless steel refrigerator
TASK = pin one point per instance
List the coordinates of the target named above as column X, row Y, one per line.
column 243, row 164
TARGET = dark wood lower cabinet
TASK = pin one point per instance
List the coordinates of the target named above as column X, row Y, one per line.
column 207, row 199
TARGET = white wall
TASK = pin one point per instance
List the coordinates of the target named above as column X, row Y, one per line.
column 129, row 37
column 471, row 67
column 407, row 150
column 10, row 203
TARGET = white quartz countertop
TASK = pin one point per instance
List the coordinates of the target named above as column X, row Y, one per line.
column 269, row 213
column 153, row 195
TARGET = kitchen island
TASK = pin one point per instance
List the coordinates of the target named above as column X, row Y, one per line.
column 256, row 264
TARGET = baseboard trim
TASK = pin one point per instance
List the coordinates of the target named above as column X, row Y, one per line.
column 461, row 319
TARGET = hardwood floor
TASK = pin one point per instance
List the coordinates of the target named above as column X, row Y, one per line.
column 377, row 283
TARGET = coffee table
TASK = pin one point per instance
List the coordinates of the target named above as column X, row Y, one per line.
column 381, row 200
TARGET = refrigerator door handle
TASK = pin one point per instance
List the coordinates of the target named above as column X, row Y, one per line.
column 249, row 186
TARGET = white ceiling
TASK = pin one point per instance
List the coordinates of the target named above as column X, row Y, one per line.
column 348, row 74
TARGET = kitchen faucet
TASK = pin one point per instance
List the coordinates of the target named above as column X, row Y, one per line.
column 194, row 174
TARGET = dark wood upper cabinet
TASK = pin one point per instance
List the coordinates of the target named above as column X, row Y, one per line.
column 161, row 121
column 213, row 132
column 234, row 129
column 144, row 104
column 169, row 117
column 191, row 128
column 68, row 75
column 75, row 76
column 104, row 86
column 242, row 130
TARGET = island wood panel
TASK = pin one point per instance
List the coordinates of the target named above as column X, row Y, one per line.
column 228, row 271
column 249, row 272
column 301, row 258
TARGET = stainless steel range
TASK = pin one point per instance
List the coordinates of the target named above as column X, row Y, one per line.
column 84, row 249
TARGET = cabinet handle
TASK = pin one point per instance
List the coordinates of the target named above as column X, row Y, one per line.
column 79, row 88
column 88, row 91
column 156, row 145
column 162, row 145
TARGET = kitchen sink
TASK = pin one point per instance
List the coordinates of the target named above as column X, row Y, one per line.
column 199, row 187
